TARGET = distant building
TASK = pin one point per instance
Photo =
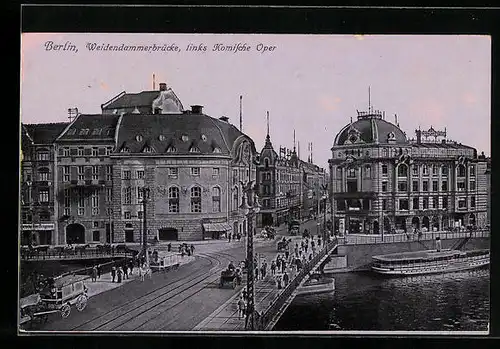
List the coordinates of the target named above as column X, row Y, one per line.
column 488, row 186
column 382, row 181
column 191, row 163
column 288, row 187
column 38, row 177
column 279, row 182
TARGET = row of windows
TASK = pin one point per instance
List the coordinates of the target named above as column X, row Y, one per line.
column 170, row 149
column 430, row 203
column 94, row 170
column 403, row 171
column 81, row 151
column 403, row 186
column 172, row 172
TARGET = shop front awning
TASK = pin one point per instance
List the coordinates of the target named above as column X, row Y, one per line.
column 209, row 227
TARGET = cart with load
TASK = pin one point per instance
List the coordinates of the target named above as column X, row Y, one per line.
column 282, row 245
column 57, row 296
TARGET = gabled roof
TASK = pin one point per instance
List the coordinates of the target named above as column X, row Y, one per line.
column 91, row 127
column 163, row 130
column 43, row 133
column 127, row 100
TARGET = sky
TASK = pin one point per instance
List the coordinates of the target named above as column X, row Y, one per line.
column 312, row 84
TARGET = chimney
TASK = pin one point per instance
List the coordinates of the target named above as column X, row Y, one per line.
column 224, row 118
column 419, row 136
column 163, row 86
column 196, row 109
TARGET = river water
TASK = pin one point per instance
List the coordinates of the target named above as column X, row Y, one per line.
column 368, row 302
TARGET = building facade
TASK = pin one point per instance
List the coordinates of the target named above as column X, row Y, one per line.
column 192, row 166
column 383, row 182
column 279, row 182
column 37, row 179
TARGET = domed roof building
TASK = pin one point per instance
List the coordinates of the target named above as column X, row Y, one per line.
column 191, row 165
column 384, row 182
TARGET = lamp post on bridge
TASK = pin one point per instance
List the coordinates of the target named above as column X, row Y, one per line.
column 145, row 196
column 250, row 207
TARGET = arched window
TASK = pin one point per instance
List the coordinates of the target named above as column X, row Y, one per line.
column 266, row 162
column 216, row 199
column 368, row 171
column 173, row 199
column 402, row 170
column 461, row 171
column 196, row 199
column 171, row 149
column 351, row 172
column 236, row 200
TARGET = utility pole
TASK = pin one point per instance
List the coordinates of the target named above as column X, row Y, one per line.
column 145, row 195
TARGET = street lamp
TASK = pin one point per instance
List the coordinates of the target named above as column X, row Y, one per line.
column 250, row 207
column 145, row 196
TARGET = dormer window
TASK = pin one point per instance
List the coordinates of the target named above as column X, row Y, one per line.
column 125, row 150
column 185, row 138
column 138, row 138
column 171, row 149
column 194, row 149
column 84, row 132
column 217, row 150
column 391, row 136
column 148, row 149
column 110, row 131
column 203, row 138
column 96, row 131
column 161, row 138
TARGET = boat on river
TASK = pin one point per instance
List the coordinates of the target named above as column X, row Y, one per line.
column 430, row 262
column 317, row 284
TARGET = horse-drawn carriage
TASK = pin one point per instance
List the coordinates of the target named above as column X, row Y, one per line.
column 231, row 278
column 282, row 245
column 57, row 296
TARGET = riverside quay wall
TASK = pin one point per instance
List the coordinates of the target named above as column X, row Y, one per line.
column 359, row 257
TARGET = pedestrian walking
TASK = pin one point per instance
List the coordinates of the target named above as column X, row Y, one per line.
column 141, row 273
column 169, row 247
column 131, row 266
column 98, row 271
column 94, row 274
column 119, row 274
column 313, row 245
column 283, row 266
column 244, row 294
column 296, row 249
column 305, row 247
column 229, row 237
column 113, row 273
column 287, row 254
column 278, row 281
column 241, row 307
column 256, row 273
column 125, row 271
column 263, row 271
column 310, row 256
column 192, row 249
column 273, row 267
column 285, row 278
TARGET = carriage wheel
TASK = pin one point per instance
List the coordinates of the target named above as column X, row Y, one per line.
column 81, row 302
column 65, row 310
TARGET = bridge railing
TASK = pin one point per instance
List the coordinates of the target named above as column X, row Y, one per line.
column 277, row 304
column 355, row 239
column 51, row 254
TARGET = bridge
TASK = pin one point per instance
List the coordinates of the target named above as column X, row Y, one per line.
column 270, row 301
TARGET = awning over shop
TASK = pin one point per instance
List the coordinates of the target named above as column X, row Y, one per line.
column 209, row 227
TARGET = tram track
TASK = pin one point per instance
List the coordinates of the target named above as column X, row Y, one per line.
column 125, row 314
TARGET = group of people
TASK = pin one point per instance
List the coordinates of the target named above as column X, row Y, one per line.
column 233, row 236
column 184, row 249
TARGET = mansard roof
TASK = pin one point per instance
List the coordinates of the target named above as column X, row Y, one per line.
column 182, row 131
column 42, row 133
column 91, row 127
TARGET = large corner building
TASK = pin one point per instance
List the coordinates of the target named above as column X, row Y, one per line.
column 383, row 182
